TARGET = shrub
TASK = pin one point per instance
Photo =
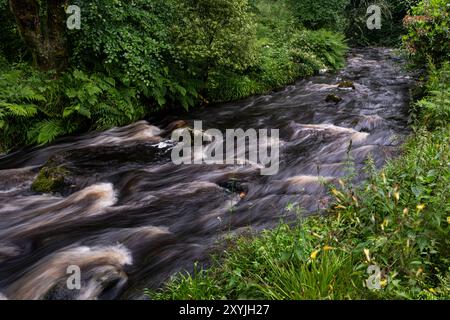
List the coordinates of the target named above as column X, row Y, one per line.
column 22, row 93
column 434, row 110
column 328, row 47
column 428, row 37
column 320, row 14
column 37, row 108
column 285, row 51
column 164, row 49
column 390, row 34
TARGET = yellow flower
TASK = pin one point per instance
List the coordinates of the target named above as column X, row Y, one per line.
column 383, row 283
column 420, row 207
column 448, row 220
column 336, row 193
column 327, row 248
column 384, row 224
column 314, row 254
column 355, row 200
column 419, row 272
column 397, row 195
column 367, row 253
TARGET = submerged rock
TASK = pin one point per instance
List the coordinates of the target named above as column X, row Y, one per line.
column 51, row 180
column 346, row 85
column 333, row 98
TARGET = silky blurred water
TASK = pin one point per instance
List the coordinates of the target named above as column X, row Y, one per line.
column 130, row 218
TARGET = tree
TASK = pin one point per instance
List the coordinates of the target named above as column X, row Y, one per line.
column 41, row 24
column 217, row 35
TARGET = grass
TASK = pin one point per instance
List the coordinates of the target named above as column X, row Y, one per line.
column 397, row 223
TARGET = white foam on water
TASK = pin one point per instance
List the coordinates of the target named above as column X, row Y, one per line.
column 104, row 192
column 138, row 131
column 50, row 271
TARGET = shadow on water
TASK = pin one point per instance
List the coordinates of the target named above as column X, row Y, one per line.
column 131, row 218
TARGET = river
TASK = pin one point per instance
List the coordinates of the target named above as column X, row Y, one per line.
column 129, row 218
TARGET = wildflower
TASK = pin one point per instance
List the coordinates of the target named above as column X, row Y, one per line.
column 420, row 207
column 419, row 272
column 397, row 196
column 384, row 283
column 355, row 200
column 327, row 248
column 367, row 253
column 315, row 234
column 384, row 224
column 314, row 254
column 384, row 178
column 336, row 193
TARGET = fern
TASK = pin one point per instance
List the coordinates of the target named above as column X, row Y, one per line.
column 46, row 131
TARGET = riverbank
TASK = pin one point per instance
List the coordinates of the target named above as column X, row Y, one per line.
column 188, row 62
column 387, row 239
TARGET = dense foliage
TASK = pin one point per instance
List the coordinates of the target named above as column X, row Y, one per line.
column 328, row 14
column 392, row 14
column 37, row 108
column 428, row 37
column 285, row 52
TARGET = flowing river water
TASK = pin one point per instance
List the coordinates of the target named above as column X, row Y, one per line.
column 130, row 218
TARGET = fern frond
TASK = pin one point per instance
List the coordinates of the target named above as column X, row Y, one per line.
column 46, row 131
column 19, row 110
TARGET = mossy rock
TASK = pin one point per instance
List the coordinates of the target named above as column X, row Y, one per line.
column 51, row 180
column 346, row 85
column 333, row 98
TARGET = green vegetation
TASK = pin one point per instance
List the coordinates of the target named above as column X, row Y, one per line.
column 393, row 12
column 428, row 37
column 133, row 58
column 36, row 107
column 286, row 51
column 329, row 14
column 397, row 223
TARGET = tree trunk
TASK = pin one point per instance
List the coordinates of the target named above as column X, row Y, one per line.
column 41, row 24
